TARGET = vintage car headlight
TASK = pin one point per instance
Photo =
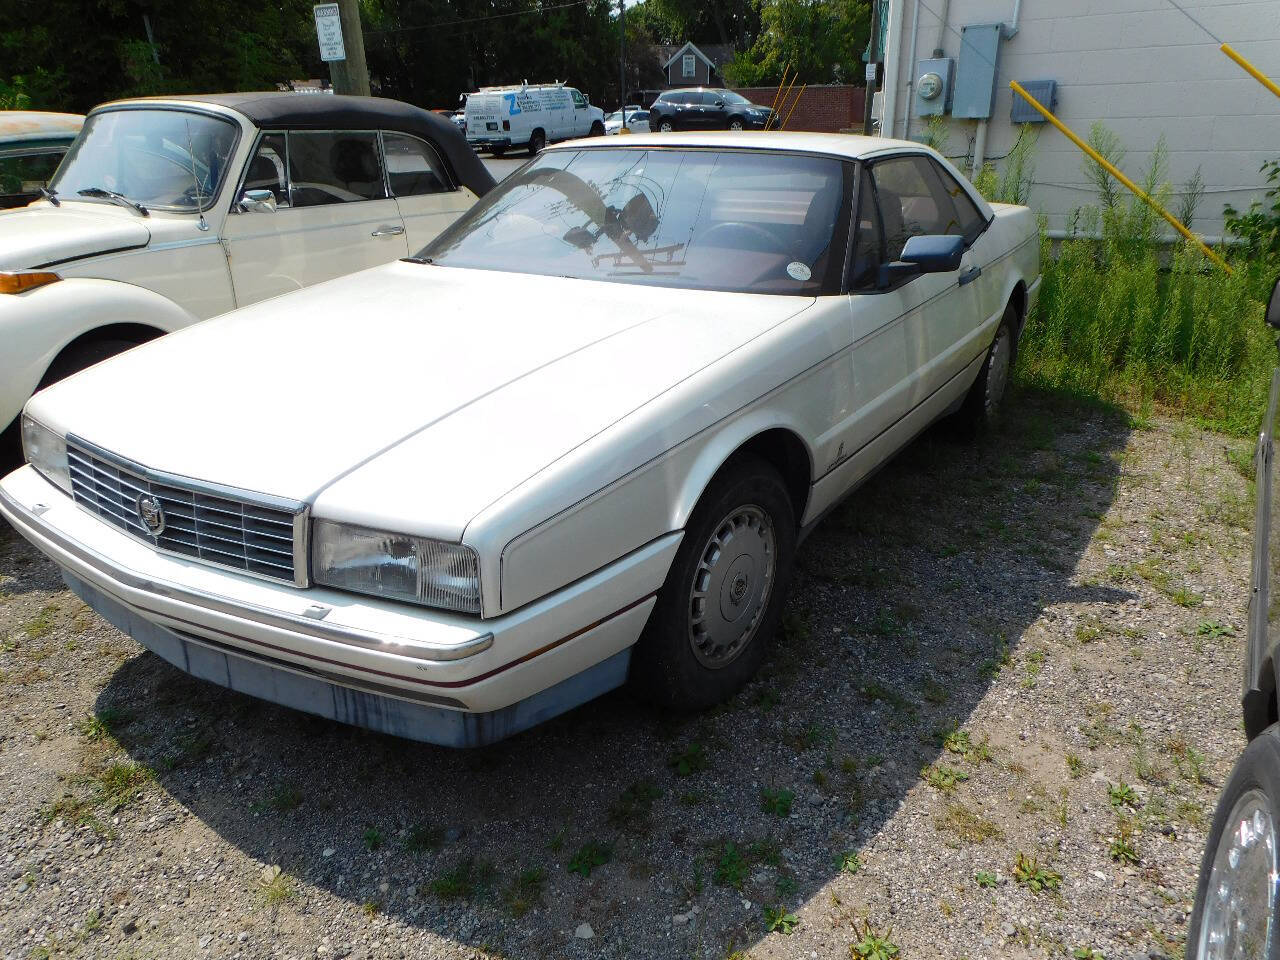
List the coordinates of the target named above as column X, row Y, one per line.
column 395, row 566
column 46, row 451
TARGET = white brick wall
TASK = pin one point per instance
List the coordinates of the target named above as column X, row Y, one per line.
column 1139, row 66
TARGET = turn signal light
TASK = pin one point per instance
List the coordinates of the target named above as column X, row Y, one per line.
column 20, row 282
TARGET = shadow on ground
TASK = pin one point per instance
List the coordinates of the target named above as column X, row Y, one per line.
column 905, row 603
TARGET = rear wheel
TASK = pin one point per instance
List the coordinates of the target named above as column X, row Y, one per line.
column 498, row 152
column 666, row 126
column 981, row 406
column 723, row 596
column 536, row 142
column 1238, row 895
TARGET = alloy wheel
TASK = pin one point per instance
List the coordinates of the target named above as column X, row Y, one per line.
column 731, row 586
column 998, row 368
column 1239, row 909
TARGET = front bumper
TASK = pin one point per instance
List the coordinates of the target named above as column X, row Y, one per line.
column 380, row 649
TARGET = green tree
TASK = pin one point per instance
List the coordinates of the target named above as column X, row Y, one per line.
column 821, row 41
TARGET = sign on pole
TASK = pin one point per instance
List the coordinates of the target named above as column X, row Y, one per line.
column 329, row 32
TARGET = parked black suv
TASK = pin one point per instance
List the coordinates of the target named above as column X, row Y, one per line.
column 706, row 108
column 1237, row 908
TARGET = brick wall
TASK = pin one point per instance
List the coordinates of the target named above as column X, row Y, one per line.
column 825, row 109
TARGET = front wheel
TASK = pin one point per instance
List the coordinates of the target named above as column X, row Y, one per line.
column 597, row 129
column 723, row 596
column 735, row 123
column 666, row 126
column 1238, row 894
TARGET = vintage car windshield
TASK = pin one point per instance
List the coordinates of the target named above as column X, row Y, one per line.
column 146, row 155
column 743, row 221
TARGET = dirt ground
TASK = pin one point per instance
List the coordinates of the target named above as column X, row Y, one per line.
column 995, row 726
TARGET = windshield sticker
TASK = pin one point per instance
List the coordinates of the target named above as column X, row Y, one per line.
column 798, row 271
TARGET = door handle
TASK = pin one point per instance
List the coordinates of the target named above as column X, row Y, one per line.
column 387, row 232
column 970, row 275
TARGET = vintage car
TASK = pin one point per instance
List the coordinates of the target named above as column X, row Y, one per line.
column 169, row 211
column 32, row 145
column 450, row 523
column 1237, row 907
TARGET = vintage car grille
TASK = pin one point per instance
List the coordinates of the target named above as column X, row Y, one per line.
column 218, row 528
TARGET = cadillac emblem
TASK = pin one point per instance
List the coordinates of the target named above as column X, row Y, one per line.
column 150, row 513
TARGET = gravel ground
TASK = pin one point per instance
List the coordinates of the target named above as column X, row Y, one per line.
column 1027, row 647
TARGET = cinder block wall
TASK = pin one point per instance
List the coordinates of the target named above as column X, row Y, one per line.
column 829, row 108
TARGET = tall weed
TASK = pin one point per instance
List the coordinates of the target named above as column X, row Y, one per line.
column 1124, row 316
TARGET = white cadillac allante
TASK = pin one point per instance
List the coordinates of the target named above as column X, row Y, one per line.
column 574, row 441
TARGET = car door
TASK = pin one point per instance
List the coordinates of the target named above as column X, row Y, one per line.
column 427, row 198
column 333, row 214
column 937, row 311
column 581, row 114
column 716, row 113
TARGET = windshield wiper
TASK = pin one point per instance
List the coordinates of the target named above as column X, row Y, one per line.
column 50, row 195
column 119, row 198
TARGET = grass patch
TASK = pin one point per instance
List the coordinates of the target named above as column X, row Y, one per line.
column 590, row 855
column 967, row 826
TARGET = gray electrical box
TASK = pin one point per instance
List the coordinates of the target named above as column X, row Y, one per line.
column 975, row 86
column 1045, row 91
column 932, row 86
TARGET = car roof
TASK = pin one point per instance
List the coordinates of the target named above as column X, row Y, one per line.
column 276, row 110
column 38, row 125
column 852, row 146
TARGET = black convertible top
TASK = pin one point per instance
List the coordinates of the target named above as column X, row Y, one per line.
column 303, row 111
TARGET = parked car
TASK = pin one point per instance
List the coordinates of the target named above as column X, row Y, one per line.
column 637, row 121
column 450, row 522
column 169, row 211
column 1237, row 907
column 529, row 116
column 31, row 146
column 703, row 108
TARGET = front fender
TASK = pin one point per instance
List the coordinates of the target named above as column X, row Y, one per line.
column 37, row 325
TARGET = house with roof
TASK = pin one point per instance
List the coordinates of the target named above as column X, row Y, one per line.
column 689, row 65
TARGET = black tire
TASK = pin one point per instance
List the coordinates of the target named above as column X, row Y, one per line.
column 537, row 140
column 737, row 123
column 79, row 356
column 724, row 555
column 597, row 129
column 981, row 407
column 1256, row 775
column 498, row 152
column 665, row 125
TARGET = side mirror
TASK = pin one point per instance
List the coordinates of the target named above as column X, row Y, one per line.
column 258, row 201
column 927, row 254
column 719, row 103
column 1273, row 306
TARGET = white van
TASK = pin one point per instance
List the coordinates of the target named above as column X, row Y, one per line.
column 529, row 116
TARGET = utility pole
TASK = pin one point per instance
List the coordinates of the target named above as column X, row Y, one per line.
column 622, row 60
column 873, row 68
column 352, row 74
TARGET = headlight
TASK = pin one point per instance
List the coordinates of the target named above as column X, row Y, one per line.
column 46, row 451
column 398, row 567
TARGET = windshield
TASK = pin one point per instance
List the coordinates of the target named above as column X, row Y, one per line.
column 147, row 156
column 730, row 97
column 749, row 222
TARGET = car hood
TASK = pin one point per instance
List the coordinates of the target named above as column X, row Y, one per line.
column 44, row 235
column 394, row 394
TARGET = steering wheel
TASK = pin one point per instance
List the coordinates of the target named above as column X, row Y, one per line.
column 756, row 238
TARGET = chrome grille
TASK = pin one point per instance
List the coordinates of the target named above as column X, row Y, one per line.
column 217, row 527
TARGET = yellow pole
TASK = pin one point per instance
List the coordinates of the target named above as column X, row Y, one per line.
column 1102, row 161
column 794, row 77
column 794, row 104
column 774, row 106
column 1250, row 69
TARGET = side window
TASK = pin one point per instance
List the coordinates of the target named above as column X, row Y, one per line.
column 267, row 169
column 579, row 101
column 868, row 249
column 703, row 99
column 334, row 167
column 912, row 202
column 413, row 167
column 26, row 173
column 972, row 222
